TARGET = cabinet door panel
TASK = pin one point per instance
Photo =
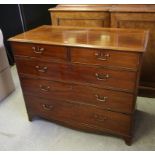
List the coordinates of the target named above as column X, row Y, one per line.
column 84, row 19
column 140, row 21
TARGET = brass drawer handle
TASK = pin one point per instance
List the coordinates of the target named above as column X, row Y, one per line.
column 44, row 88
column 38, row 50
column 101, row 76
column 101, row 98
column 102, row 56
column 41, row 69
column 47, row 107
column 100, row 118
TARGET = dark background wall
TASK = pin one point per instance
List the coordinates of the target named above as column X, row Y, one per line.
column 15, row 19
column 10, row 24
column 36, row 15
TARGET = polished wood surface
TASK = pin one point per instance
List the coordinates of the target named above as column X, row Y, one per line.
column 41, row 51
column 98, row 19
column 101, row 119
column 133, row 8
column 75, row 15
column 84, row 7
column 139, row 16
column 105, row 57
column 104, row 7
column 101, row 98
column 96, row 76
column 84, row 78
column 104, row 38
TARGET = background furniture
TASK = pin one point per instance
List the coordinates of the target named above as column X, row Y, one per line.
column 6, row 82
column 77, row 77
column 119, row 16
column 20, row 18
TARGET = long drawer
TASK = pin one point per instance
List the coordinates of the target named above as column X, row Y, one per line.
column 65, row 111
column 45, row 52
column 98, row 76
column 105, row 57
column 102, row 98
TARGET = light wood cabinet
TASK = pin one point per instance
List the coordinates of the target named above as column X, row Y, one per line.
column 66, row 15
column 140, row 21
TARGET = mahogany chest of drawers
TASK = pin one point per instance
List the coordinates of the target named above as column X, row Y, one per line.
column 84, row 78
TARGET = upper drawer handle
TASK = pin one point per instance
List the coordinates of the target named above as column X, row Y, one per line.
column 41, row 69
column 44, row 88
column 101, row 98
column 47, row 107
column 102, row 56
column 38, row 50
column 101, row 76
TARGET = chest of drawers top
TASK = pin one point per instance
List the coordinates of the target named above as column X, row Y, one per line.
column 100, row 38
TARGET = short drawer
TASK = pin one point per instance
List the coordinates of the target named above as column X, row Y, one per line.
column 72, row 112
column 45, row 52
column 97, row 76
column 105, row 57
column 101, row 98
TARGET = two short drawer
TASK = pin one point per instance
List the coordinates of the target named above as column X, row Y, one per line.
column 78, row 55
column 73, row 113
column 101, row 98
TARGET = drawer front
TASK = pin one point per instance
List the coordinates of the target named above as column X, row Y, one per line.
column 105, row 58
column 103, row 99
column 45, row 52
column 81, row 74
column 71, row 112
